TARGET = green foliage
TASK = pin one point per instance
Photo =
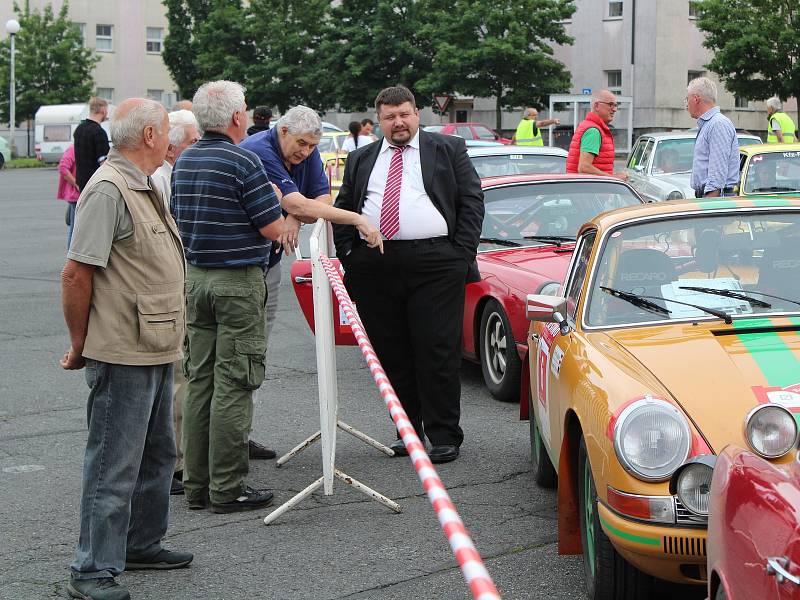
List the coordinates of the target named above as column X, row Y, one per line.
column 500, row 48
column 51, row 64
column 224, row 43
column 755, row 43
column 181, row 45
column 24, row 163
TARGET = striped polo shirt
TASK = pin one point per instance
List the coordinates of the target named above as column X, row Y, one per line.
column 221, row 196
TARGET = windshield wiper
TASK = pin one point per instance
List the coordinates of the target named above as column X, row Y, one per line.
column 634, row 298
column 742, row 295
column 553, row 239
column 728, row 294
column 774, row 188
column 499, row 241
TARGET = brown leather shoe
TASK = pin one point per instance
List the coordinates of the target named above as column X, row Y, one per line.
column 260, row 452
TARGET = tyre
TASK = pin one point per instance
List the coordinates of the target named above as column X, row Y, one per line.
column 500, row 362
column 543, row 472
column 608, row 575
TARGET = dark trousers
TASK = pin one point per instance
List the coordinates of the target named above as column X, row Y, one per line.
column 411, row 301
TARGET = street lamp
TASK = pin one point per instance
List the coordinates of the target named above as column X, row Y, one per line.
column 12, row 27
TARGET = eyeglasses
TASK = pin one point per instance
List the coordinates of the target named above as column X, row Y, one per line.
column 610, row 104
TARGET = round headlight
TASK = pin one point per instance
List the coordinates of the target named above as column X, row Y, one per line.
column 652, row 439
column 550, row 289
column 694, row 487
column 676, row 195
column 771, row 430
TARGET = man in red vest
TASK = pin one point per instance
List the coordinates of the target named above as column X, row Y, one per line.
column 592, row 148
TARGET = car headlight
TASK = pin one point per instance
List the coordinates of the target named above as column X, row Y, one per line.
column 694, row 487
column 676, row 195
column 771, row 430
column 550, row 289
column 651, row 439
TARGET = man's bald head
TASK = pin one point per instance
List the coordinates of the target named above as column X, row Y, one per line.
column 604, row 105
column 183, row 105
column 531, row 113
column 132, row 117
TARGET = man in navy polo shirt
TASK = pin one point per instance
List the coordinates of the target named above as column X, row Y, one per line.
column 290, row 157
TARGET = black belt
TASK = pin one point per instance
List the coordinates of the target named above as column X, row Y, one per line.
column 727, row 190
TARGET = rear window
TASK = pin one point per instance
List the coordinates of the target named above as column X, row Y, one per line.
column 57, row 133
column 518, row 164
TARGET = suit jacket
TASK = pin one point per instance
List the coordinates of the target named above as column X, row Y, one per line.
column 450, row 181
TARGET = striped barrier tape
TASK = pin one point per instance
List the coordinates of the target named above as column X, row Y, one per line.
column 470, row 562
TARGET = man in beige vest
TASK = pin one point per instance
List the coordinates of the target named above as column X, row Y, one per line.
column 122, row 294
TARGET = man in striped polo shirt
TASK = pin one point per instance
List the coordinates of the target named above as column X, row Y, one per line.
column 226, row 210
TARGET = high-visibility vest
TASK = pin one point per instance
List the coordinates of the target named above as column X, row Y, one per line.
column 528, row 134
column 787, row 128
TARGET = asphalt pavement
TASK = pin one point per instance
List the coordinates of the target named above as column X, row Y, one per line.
column 335, row 547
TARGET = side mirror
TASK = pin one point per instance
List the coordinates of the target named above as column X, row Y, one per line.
column 549, row 309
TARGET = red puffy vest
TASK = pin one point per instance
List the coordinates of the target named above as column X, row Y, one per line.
column 603, row 161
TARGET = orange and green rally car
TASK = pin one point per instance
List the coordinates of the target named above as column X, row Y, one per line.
column 677, row 332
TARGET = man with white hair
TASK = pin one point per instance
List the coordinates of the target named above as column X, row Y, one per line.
column 781, row 127
column 183, row 132
column 124, row 308
column 226, row 210
column 715, row 164
column 529, row 130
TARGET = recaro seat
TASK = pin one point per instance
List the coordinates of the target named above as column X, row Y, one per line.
column 643, row 271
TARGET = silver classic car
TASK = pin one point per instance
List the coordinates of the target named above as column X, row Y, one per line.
column 660, row 164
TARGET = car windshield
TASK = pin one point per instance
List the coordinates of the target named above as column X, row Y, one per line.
column 518, row 164
column 547, row 212
column 742, row 264
column 773, row 172
column 327, row 144
column 673, row 156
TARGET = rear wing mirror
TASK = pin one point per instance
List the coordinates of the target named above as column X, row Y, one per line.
column 548, row 309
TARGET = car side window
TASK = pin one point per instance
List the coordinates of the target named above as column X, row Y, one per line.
column 636, row 155
column 578, row 273
column 646, row 154
column 484, row 133
column 464, row 132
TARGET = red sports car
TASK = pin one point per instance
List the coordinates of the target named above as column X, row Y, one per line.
column 526, row 245
column 469, row 131
column 754, row 527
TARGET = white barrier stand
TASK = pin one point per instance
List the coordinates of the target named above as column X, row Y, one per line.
column 328, row 393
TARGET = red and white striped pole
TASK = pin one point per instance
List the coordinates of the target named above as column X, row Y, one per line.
column 470, row 562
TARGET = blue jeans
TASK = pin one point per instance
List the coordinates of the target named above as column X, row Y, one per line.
column 71, row 226
column 128, row 465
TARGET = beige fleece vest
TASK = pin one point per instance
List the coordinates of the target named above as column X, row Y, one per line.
column 137, row 311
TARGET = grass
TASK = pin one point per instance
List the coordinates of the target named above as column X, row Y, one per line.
column 23, row 163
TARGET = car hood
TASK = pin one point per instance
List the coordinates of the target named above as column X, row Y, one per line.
column 551, row 262
column 718, row 373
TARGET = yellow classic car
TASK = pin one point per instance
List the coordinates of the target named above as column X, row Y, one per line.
column 677, row 333
column 769, row 169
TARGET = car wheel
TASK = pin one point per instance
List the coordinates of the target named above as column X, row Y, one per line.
column 608, row 575
column 543, row 472
column 500, row 362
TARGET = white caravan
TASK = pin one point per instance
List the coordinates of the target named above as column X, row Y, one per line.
column 54, row 126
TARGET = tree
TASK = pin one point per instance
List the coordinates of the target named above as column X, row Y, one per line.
column 51, row 64
column 499, row 48
column 374, row 44
column 181, row 45
column 285, row 65
column 755, row 45
column 223, row 42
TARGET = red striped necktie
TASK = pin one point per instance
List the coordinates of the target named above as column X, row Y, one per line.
column 390, row 209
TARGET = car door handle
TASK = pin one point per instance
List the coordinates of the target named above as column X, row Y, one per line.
column 776, row 565
column 300, row 279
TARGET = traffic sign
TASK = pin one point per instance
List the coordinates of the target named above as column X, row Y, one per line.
column 442, row 102
column 587, row 91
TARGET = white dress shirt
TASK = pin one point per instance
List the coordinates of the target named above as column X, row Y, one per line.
column 161, row 181
column 419, row 218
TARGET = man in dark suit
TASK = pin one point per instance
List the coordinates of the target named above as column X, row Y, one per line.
column 423, row 192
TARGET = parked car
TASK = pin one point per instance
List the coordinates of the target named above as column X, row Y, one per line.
column 468, row 131
column 660, row 164
column 754, row 525
column 5, row 152
column 770, row 169
column 499, row 160
column 677, row 325
column 330, row 144
column 527, row 239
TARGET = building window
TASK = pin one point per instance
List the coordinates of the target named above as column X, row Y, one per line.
column 155, row 95
column 154, row 37
column 614, row 79
column 740, row 102
column 82, row 28
column 104, row 38
column 106, row 94
column 694, row 75
column 615, row 8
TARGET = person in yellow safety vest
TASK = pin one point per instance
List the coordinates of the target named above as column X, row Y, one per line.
column 529, row 131
column 781, row 127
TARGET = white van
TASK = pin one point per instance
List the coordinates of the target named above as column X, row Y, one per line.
column 54, row 126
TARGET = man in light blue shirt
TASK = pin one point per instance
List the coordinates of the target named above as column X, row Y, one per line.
column 715, row 167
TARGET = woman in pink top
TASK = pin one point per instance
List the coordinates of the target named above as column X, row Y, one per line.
column 68, row 187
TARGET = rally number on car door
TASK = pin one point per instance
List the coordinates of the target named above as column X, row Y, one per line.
column 544, row 359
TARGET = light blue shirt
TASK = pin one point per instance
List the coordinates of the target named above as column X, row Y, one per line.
column 716, row 153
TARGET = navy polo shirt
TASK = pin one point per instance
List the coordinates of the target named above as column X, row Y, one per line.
column 308, row 177
column 221, row 197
